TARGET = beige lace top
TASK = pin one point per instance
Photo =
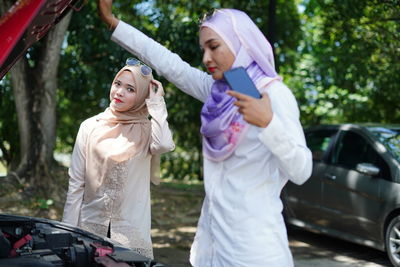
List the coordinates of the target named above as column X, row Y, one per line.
column 123, row 198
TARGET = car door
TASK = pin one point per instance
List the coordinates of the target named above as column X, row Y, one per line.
column 303, row 202
column 350, row 199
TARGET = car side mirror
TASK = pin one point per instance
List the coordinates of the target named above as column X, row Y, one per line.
column 368, row 169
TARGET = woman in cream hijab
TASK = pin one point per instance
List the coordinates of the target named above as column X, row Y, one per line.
column 115, row 157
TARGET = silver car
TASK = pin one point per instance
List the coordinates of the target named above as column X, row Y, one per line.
column 354, row 190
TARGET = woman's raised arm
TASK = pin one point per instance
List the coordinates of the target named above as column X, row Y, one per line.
column 166, row 63
column 105, row 13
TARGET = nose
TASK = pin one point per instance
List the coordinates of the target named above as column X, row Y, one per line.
column 206, row 57
column 119, row 91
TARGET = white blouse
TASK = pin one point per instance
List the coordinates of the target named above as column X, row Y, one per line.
column 241, row 223
column 123, row 200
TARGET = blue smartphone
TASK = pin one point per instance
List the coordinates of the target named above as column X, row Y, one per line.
column 240, row 81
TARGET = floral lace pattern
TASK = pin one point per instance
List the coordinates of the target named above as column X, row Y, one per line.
column 132, row 238
column 94, row 228
column 113, row 188
column 112, row 191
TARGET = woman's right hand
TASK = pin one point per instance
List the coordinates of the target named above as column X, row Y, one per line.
column 105, row 12
column 155, row 89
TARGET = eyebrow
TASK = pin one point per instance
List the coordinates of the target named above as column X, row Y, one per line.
column 210, row 40
column 128, row 84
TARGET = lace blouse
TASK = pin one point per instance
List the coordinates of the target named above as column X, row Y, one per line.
column 123, row 200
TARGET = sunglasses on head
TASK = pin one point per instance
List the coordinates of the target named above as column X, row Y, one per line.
column 144, row 69
column 207, row 16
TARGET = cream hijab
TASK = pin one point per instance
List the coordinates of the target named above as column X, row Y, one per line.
column 119, row 137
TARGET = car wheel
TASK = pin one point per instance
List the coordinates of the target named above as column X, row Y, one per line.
column 392, row 241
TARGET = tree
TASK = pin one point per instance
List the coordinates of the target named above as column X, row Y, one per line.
column 89, row 61
column 350, row 64
column 34, row 84
column 173, row 23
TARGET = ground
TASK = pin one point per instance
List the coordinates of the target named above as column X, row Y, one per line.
column 175, row 211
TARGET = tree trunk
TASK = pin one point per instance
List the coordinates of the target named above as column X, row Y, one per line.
column 35, row 99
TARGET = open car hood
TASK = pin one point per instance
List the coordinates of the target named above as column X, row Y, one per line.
column 28, row 241
column 25, row 23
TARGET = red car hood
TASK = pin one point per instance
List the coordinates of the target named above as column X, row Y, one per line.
column 26, row 22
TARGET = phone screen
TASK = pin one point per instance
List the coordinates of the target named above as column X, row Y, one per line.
column 239, row 81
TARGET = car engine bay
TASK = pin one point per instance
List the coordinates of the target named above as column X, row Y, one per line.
column 35, row 242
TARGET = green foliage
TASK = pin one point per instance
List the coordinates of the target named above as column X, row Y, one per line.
column 9, row 142
column 90, row 61
column 350, row 63
column 43, row 204
column 340, row 58
column 88, row 64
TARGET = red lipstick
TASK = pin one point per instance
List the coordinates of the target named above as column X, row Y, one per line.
column 211, row 69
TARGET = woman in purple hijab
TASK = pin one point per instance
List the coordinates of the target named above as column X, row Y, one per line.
column 251, row 147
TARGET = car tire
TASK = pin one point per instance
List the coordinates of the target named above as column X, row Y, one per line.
column 392, row 241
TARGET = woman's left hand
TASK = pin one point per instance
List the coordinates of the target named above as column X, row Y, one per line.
column 255, row 111
column 156, row 89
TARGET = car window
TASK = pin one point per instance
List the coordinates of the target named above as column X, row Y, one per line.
column 318, row 142
column 390, row 138
column 353, row 149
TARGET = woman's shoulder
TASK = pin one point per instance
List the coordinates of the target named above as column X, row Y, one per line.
column 282, row 97
column 90, row 122
column 279, row 86
column 278, row 89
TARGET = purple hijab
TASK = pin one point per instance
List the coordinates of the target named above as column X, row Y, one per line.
column 223, row 126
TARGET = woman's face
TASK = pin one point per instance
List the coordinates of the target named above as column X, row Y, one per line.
column 123, row 92
column 217, row 56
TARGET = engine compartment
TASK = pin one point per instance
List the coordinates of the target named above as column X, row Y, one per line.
column 34, row 243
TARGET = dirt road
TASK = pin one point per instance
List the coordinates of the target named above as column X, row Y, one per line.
column 175, row 214
column 175, row 211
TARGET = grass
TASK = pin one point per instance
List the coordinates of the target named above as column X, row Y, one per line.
column 185, row 186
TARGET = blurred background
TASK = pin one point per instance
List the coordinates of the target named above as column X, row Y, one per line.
column 341, row 59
